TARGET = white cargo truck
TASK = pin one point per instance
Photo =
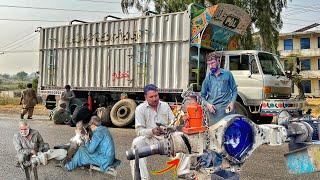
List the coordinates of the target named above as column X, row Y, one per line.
column 104, row 59
column 263, row 88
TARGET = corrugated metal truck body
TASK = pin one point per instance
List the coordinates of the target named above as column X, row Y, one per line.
column 119, row 55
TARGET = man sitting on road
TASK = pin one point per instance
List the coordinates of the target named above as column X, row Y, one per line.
column 28, row 142
column 61, row 115
column 100, row 150
column 81, row 113
column 147, row 114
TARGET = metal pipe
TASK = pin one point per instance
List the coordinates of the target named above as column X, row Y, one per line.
column 35, row 172
column 27, row 173
column 136, row 163
column 147, row 13
column 114, row 17
column 76, row 20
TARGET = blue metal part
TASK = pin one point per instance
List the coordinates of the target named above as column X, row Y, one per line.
column 238, row 138
column 304, row 160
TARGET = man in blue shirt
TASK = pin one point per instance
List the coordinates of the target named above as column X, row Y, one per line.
column 100, row 150
column 219, row 90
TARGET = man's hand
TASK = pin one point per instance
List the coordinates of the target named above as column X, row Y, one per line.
column 230, row 107
column 86, row 137
column 211, row 108
column 20, row 103
column 33, row 152
column 157, row 131
column 77, row 131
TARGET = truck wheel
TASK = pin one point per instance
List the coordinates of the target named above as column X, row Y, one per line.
column 265, row 119
column 240, row 109
column 104, row 115
column 122, row 113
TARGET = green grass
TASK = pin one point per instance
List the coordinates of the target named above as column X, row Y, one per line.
column 8, row 87
column 9, row 100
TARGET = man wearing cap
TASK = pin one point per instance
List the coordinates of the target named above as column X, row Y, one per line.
column 219, row 90
column 100, row 150
column 147, row 114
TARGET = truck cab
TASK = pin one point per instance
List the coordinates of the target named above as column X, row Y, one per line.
column 263, row 88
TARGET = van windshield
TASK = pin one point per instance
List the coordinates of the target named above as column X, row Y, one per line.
column 269, row 64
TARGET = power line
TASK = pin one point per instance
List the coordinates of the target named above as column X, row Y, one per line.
column 23, row 42
column 37, row 20
column 19, row 51
column 97, row 1
column 296, row 19
column 58, row 9
column 8, row 43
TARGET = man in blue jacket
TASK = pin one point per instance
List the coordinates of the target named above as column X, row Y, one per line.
column 98, row 151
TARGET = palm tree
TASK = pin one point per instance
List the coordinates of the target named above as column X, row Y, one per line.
column 265, row 15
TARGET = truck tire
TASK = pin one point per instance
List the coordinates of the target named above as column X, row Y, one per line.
column 122, row 113
column 104, row 115
column 265, row 119
column 240, row 109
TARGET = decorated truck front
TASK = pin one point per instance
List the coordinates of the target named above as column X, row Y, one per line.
column 263, row 88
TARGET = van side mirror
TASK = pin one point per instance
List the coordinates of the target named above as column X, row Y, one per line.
column 289, row 74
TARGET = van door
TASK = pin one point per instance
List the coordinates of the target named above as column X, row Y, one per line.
column 246, row 73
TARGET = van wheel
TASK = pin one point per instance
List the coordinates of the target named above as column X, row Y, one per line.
column 122, row 113
column 266, row 119
column 240, row 109
column 104, row 115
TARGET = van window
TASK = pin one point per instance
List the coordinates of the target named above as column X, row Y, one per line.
column 269, row 64
column 254, row 65
column 238, row 62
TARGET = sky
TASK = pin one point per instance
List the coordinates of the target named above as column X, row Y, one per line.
column 19, row 43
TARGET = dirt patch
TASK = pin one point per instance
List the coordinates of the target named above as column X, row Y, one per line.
column 16, row 109
column 314, row 104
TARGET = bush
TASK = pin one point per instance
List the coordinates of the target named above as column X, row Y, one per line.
column 22, row 86
column 9, row 100
column 35, row 83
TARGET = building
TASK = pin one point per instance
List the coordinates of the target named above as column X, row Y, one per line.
column 305, row 43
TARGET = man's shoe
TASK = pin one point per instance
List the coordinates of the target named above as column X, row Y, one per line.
column 188, row 176
column 61, row 165
column 29, row 118
column 45, row 159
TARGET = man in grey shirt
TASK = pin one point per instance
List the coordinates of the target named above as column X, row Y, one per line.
column 28, row 142
column 147, row 114
column 67, row 96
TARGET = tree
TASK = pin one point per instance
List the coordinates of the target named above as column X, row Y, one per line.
column 22, row 75
column 265, row 15
column 35, row 83
column 292, row 64
column 5, row 76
